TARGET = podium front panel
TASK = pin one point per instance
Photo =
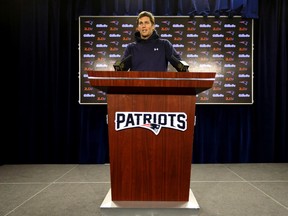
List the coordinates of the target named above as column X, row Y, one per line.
column 150, row 162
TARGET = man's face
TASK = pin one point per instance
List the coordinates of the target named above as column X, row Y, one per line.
column 145, row 27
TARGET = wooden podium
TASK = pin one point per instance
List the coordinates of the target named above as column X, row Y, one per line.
column 151, row 129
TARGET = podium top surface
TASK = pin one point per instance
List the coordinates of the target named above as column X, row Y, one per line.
column 119, row 82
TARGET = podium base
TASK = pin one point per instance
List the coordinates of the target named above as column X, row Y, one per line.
column 150, row 208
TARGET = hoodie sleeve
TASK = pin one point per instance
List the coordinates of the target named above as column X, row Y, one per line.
column 171, row 51
column 127, row 58
column 172, row 56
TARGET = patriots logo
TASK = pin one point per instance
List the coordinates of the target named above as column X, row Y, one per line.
column 152, row 121
column 155, row 128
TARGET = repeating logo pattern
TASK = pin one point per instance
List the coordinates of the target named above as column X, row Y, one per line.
column 223, row 45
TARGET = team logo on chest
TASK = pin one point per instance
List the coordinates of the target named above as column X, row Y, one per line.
column 153, row 121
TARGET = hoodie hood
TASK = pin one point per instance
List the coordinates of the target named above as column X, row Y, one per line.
column 138, row 38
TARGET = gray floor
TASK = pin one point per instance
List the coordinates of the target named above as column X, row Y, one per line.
column 220, row 189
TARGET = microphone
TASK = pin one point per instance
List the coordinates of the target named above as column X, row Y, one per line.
column 124, row 64
column 180, row 65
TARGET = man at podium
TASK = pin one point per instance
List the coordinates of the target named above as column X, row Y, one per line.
column 146, row 164
column 149, row 52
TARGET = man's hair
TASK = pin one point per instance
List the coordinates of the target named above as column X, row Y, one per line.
column 146, row 14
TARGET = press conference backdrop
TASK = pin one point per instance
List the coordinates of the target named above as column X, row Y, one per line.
column 223, row 45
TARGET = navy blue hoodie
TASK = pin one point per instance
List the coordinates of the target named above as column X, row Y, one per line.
column 152, row 54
